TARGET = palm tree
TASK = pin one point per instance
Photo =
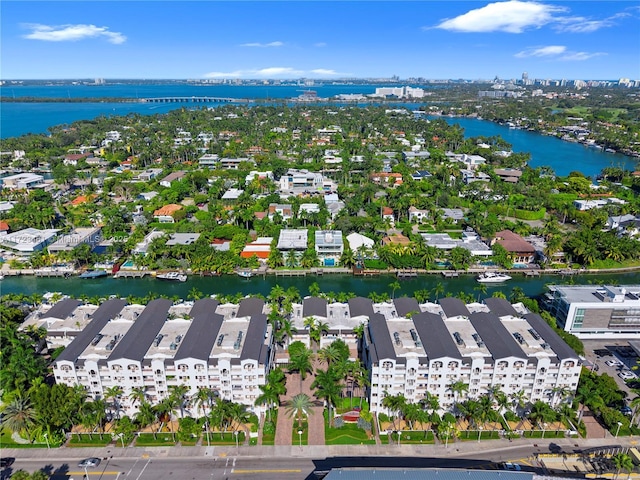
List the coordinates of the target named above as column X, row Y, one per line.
column 203, row 399
column 327, row 385
column 395, row 285
column 458, row 388
column 179, row 393
column 299, row 406
column 300, row 360
column 19, row 415
column 114, row 393
column 137, row 394
column 146, row 415
column 394, row 404
column 330, row 354
column 622, row 461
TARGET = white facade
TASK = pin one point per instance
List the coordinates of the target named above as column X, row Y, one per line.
column 594, row 311
column 329, row 247
column 28, row 240
column 22, row 181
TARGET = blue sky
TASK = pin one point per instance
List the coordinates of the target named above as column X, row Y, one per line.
column 328, row 39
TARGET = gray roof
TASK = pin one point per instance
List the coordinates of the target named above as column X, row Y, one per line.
column 199, row 339
column 435, row 336
column 99, row 319
column 314, row 306
column 254, row 340
column 495, row 336
column 386, row 473
column 453, row 307
column 380, row 338
column 360, row 306
column 559, row 346
column 62, row 309
column 250, row 306
column 500, row 307
column 406, row 305
column 204, row 305
column 137, row 340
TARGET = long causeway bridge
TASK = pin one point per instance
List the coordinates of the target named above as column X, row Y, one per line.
column 194, row 100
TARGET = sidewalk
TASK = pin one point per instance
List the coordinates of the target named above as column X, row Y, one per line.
column 456, row 449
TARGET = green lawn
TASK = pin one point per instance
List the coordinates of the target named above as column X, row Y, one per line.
column 410, row 436
column 608, row 263
column 349, row 434
column 296, row 439
column 226, row 438
column 85, row 440
column 473, row 435
column 7, row 442
column 147, row 440
column 269, row 438
column 539, row 434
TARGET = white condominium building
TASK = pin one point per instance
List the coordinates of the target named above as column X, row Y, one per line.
column 225, row 348
column 413, row 349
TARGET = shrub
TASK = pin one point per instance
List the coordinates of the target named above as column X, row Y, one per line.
column 363, row 424
column 383, row 417
column 338, row 422
column 269, row 428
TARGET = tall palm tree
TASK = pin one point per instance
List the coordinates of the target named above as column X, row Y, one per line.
column 114, row 393
column 458, row 388
column 622, row 461
column 301, row 361
column 137, row 394
column 327, row 386
column 394, row 404
column 179, row 393
column 145, row 415
column 300, row 406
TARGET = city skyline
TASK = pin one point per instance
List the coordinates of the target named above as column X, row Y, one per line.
column 320, row 40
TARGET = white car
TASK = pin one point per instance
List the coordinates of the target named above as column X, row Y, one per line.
column 89, row 462
column 613, row 363
column 626, row 375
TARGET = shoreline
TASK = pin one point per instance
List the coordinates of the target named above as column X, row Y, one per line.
column 319, row 271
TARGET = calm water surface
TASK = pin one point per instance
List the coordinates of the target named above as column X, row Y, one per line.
column 328, row 283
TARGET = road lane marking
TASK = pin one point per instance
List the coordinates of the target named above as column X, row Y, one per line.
column 143, row 469
column 93, row 473
column 246, row 471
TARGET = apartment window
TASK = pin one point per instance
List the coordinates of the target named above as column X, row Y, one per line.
column 578, row 319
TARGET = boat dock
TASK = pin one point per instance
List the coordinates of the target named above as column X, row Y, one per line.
column 531, row 273
column 52, row 273
column 402, row 274
column 130, row 274
column 291, row 273
column 450, row 274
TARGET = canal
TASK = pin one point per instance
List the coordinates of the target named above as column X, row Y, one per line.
column 227, row 285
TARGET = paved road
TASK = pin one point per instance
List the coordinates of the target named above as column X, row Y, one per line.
column 287, row 462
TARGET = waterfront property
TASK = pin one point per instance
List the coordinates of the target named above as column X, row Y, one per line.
column 226, row 348
column 29, row 240
column 596, row 311
column 408, row 348
column 415, row 350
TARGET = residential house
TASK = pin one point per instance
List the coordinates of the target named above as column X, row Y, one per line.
column 455, row 214
column 4, row 227
column 150, row 174
column 283, row 210
column 395, row 239
column 387, row 215
column 166, row 214
column 293, row 240
column 521, row 251
column 172, row 177
column 28, row 241
column 386, row 179
column 209, row 160
column 470, row 176
column 301, row 181
column 417, row 215
column 231, row 195
column 359, row 243
column 469, row 241
column 182, row 239
column 260, row 248
column 234, row 163
column 421, row 175
column 78, row 236
column 329, row 247
column 23, row 181
column 510, row 175
column 253, row 174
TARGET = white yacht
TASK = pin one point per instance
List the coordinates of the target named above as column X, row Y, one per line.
column 492, row 277
column 172, row 276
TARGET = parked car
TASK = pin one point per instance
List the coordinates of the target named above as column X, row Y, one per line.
column 6, row 462
column 613, row 363
column 626, row 375
column 626, row 410
column 89, row 462
column 511, row 466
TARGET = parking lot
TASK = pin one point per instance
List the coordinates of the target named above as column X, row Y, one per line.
column 616, row 358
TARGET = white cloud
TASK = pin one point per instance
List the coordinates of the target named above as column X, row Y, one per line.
column 274, row 72
column 324, row 71
column 320, row 44
column 263, row 45
column 580, row 56
column 512, row 16
column 557, row 52
column 68, row 33
column 542, row 51
column 585, row 25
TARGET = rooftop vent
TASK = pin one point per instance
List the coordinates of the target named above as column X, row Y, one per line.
column 518, row 337
column 220, row 340
column 534, row 334
column 544, row 345
column 458, row 338
column 158, row 339
column 396, row 337
column 478, row 340
column 414, row 335
column 178, row 338
column 173, row 346
column 96, row 339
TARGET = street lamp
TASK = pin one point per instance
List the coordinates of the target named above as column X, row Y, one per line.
column 86, row 474
column 544, row 428
column 618, row 429
column 399, row 434
column 479, row 433
column 236, row 435
column 300, row 438
column 46, row 439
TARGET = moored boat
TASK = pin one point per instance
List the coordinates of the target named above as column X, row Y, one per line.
column 93, row 274
column 245, row 273
column 172, row 276
column 492, row 277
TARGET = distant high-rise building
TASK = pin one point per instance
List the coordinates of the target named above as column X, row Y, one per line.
column 525, row 77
